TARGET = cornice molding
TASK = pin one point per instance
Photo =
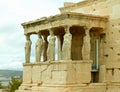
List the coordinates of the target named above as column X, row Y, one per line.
column 79, row 5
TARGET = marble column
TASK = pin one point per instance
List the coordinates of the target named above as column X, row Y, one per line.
column 39, row 46
column 27, row 48
column 51, row 46
column 86, row 45
column 45, row 46
column 66, row 48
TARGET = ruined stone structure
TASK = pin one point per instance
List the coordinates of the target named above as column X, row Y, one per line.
column 87, row 37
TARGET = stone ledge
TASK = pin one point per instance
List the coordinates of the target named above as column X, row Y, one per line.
column 37, row 84
column 59, row 62
column 64, row 85
column 113, row 84
column 97, row 84
column 92, row 87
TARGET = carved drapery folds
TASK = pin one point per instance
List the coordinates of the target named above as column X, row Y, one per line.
column 86, row 45
column 45, row 46
column 62, row 28
column 66, row 48
column 27, row 48
column 51, row 46
column 47, row 42
column 39, row 47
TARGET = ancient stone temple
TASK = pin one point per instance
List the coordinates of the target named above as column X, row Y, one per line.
column 87, row 58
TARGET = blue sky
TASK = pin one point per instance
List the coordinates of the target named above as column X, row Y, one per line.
column 12, row 39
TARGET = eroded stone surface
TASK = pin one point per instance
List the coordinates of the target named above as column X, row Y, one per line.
column 72, row 72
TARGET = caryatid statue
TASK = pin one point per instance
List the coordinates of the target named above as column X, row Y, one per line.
column 51, row 47
column 45, row 46
column 66, row 48
column 27, row 49
column 86, row 45
column 39, row 47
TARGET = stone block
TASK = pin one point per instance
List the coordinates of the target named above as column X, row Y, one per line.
column 27, row 74
column 71, row 73
column 109, row 75
column 113, row 87
column 62, row 67
column 59, row 77
column 102, row 73
column 36, row 74
column 115, row 11
column 83, row 72
column 116, row 76
column 113, row 75
column 113, row 63
column 46, row 73
column 55, row 66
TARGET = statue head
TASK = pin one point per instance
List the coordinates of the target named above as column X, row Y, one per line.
column 39, row 35
column 51, row 32
column 28, row 37
column 67, row 28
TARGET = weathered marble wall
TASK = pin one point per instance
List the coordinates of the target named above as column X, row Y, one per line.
column 111, row 42
column 58, row 72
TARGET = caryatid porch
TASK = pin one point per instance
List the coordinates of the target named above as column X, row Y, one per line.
column 77, row 37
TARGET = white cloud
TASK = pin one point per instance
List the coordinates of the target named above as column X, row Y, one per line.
column 12, row 66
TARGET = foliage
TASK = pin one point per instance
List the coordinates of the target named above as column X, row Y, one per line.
column 14, row 84
column 1, row 85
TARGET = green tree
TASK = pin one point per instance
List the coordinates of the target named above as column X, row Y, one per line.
column 14, row 84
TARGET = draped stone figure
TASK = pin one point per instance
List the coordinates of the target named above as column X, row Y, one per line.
column 45, row 46
column 66, row 49
column 86, row 45
column 51, row 47
column 27, row 49
column 39, row 45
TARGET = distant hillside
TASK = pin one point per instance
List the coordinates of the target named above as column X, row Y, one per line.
column 10, row 73
column 5, row 75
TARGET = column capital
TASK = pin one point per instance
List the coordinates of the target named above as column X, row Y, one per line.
column 39, row 35
column 67, row 28
column 51, row 31
column 87, row 27
column 27, row 36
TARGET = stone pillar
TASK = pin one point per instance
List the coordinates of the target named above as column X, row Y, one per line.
column 51, row 46
column 86, row 45
column 27, row 48
column 39, row 45
column 102, row 73
column 66, row 48
column 45, row 46
column 59, row 47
